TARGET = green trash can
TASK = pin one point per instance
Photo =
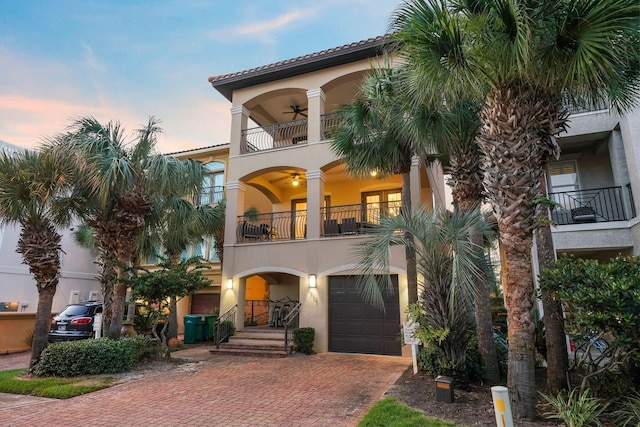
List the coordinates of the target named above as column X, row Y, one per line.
column 209, row 321
column 193, row 328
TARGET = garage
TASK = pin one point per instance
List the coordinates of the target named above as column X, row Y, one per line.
column 204, row 303
column 357, row 327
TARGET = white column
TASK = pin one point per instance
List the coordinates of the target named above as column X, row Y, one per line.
column 239, row 120
column 416, row 185
column 316, row 99
column 235, row 208
column 315, row 198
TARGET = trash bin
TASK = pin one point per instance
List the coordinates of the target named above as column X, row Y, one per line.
column 193, row 328
column 209, row 321
column 444, row 389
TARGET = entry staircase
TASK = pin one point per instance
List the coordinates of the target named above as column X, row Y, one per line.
column 259, row 342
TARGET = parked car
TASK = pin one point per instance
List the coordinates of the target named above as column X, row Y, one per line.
column 75, row 322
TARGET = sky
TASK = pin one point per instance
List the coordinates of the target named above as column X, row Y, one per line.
column 128, row 60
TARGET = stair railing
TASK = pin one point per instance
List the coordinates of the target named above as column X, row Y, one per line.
column 290, row 321
column 225, row 325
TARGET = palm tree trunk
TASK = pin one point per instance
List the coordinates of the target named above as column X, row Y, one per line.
column 513, row 150
column 409, row 250
column 518, row 294
column 557, row 356
column 43, row 320
column 117, row 314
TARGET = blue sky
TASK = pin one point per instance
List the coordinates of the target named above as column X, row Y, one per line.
column 128, row 60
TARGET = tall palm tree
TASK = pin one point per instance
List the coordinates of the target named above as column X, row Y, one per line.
column 524, row 57
column 120, row 181
column 34, row 190
column 372, row 136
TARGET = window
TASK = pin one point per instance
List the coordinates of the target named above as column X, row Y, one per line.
column 205, row 249
column 381, row 203
column 563, row 182
column 213, row 184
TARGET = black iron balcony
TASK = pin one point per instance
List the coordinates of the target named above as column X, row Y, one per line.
column 329, row 124
column 273, row 136
column 272, row 227
column 355, row 219
column 588, row 206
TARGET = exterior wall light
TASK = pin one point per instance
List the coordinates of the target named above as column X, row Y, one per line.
column 312, row 281
column 229, row 283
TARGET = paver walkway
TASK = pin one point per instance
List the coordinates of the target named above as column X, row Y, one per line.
column 327, row 389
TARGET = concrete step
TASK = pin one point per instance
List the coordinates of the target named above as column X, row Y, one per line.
column 249, row 352
column 266, row 345
column 276, row 335
column 249, row 342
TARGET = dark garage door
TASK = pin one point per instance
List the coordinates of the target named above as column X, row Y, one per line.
column 204, row 303
column 357, row 327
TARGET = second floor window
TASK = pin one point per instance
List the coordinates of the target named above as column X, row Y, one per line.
column 213, row 184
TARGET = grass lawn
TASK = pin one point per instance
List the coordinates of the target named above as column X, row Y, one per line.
column 58, row 388
column 390, row 413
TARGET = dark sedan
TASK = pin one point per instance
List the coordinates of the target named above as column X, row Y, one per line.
column 75, row 322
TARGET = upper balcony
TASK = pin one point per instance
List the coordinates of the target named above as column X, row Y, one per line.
column 283, row 134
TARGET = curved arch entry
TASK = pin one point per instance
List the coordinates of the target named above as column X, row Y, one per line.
column 266, row 292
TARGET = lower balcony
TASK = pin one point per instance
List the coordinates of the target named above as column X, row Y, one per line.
column 344, row 220
column 594, row 205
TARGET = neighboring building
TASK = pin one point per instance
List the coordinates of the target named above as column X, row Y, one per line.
column 310, row 212
column 18, row 293
column 215, row 160
column 596, row 181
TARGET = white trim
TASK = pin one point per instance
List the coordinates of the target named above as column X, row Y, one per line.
column 240, row 109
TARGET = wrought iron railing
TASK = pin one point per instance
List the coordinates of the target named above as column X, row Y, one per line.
column 226, row 325
column 291, row 322
column 329, row 124
column 256, row 312
column 277, row 135
column 584, row 107
column 355, row 219
column 210, row 195
column 289, row 225
column 584, row 206
column 633, row 205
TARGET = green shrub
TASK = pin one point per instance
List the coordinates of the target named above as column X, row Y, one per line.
column 90, row 357
column 303, row 340
column 628, row 415
column 430, row 360
column 576, row 409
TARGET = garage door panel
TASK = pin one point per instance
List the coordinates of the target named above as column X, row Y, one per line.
column 357, row 327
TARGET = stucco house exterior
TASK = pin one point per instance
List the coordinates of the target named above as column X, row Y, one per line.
column 310, row 213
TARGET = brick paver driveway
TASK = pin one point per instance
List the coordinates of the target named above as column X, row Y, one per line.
column 322, row 390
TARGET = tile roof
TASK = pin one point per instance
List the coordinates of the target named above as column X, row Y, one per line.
column 226, row 83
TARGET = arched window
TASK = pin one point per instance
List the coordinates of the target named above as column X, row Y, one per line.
column 213, row 185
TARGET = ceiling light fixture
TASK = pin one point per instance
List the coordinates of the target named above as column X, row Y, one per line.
column 296, row 180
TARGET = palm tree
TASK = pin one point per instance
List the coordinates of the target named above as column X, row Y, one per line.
column 120, row 181
column 34, row 189
column 372, row 137
column 524, row 57
column 448, row 261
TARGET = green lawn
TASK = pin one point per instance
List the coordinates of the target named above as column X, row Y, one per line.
column 57, row 388
column 390, row 413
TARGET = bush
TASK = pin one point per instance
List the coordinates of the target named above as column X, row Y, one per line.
column 431, row 361
column 575, row 409
column 303, row 340
column 90, row 357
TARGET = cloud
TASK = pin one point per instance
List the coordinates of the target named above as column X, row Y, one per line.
column 91, row 60
column 261, row 29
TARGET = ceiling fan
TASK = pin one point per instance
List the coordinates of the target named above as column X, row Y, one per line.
column 291, row 178
column 295, row 110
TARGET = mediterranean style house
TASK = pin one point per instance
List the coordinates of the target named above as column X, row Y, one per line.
column 293, row 214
